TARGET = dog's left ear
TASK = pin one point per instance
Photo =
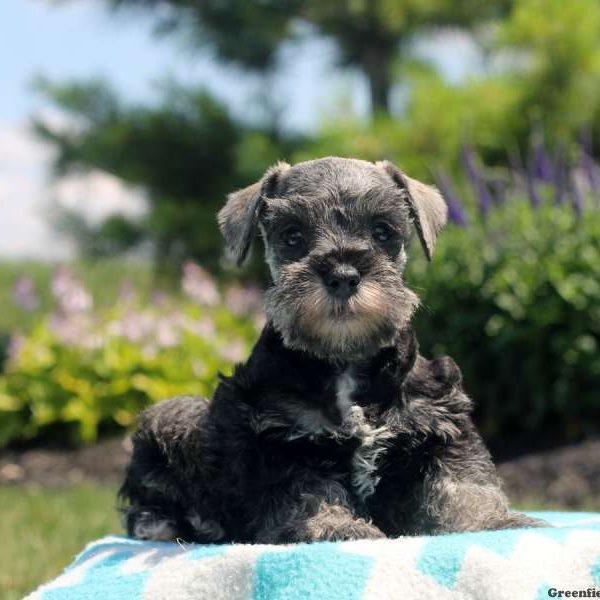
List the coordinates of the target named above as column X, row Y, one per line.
column 238, row 219
column 427, row 207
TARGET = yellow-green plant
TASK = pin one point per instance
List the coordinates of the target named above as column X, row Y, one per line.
column 82, row 372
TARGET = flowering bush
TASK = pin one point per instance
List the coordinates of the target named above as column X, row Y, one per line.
column 513, row 294
column 517, row 304
column 82, row 371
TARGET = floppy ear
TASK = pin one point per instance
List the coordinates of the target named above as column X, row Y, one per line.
column 238, row 219
column 427, row 207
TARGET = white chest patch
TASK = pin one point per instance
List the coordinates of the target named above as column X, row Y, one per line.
column 345, row 386
column 373, row 439
column 312, row 423
column 367, row 457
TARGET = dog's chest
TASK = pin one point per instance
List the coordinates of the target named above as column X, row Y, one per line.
column 373, row 437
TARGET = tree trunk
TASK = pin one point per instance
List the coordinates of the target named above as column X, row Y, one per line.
column 376, row 65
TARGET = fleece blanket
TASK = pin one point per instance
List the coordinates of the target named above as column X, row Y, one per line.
column 522, row 564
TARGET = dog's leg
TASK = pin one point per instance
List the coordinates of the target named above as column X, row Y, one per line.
column 331, row 522
column 153, row 499
column 144, row 524
column 319, row 513
column 334, row 523
column 453, row 505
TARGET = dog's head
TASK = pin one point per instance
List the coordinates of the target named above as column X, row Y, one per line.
column 335, row 232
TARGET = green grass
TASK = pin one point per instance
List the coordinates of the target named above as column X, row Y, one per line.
column 41, row 530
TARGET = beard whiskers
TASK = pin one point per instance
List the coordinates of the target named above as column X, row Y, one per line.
column 310, row 319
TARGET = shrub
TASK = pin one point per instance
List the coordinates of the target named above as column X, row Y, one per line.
column 4, row 345
column 513, row 294
column 515, row 300
column 82, row 372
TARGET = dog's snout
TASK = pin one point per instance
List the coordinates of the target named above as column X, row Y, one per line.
column 342, row 281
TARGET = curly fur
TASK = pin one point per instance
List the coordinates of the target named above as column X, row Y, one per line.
column 336, row 427
column 405, row 459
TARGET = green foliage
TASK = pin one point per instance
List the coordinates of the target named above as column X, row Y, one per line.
column 76, row 375
column 369, row 34
column 515, row 300
column 439, row 120
column 541, row 71
column 185, row 151
column 558, row 71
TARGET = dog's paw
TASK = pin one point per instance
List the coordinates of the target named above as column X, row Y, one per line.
column 336, row 524
column 352, row 531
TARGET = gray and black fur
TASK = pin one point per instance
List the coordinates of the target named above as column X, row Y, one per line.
column 336, row 427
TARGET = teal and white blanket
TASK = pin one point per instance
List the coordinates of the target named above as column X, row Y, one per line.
column 519, row 564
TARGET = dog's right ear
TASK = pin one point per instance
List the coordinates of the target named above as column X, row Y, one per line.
column 238, row 219
column 428, row 208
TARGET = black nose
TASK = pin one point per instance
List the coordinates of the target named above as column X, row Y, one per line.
column 342, row 281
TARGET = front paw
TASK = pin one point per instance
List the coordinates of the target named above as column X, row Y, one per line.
column 355, row 530
column 336, row 524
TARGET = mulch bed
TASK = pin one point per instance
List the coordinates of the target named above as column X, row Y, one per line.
column 568, row 477
column 103, row 461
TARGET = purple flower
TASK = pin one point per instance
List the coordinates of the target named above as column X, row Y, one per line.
column 259, row 321
column 15, row 344
column 243, row 300
column 234, row 351
column 499, row 190
column 534, row 196
column 577, row 196
column 167, row 334
column 456, row 213
column 159, row 298
column 203, row 328
column 517, row 170
column 199, row 286
column 69, row 292
column 561, row 179
column 24, row 293
column 482, row 193
column 515, row 161
column 70, row 329
column 592, row 172
column 127, row 292
column 540, row 161
column 133, row 327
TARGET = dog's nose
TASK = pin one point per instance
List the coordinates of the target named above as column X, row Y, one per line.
column 342, row 281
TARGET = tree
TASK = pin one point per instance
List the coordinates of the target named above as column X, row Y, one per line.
column 559, row 68
column 187, row 152
column 370, row 34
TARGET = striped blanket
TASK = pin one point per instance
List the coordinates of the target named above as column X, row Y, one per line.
column 524, row 564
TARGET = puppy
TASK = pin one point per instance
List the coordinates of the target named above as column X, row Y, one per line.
column 336, row 427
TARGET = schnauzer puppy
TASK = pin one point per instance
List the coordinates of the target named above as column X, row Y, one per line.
column 336, row 427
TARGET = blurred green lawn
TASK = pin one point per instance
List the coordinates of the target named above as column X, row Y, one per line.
column 41, row 530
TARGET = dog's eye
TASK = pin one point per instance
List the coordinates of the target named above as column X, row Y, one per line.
column 292, row 237
column 382, row 232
